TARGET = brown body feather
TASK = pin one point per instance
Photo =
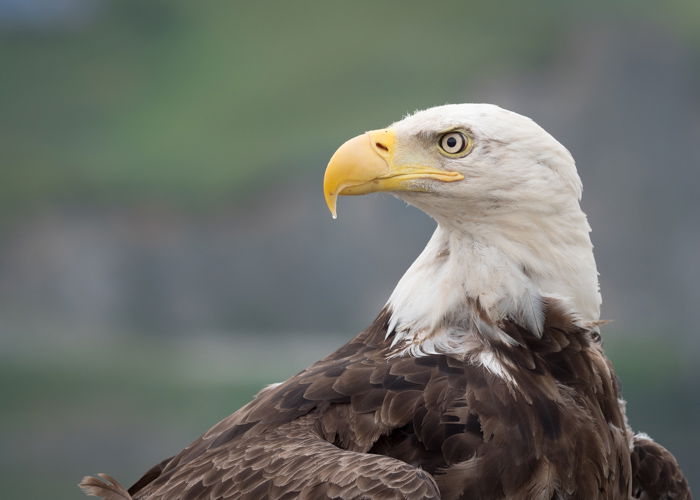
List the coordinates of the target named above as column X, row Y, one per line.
column 656, row 472
column 362, row 423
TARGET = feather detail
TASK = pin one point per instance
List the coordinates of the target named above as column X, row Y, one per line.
column 656, row 474
column 104, row 486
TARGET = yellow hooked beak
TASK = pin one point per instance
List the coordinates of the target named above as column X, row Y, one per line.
column 364, row 164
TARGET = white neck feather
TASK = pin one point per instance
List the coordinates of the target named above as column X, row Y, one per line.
column 502, row 267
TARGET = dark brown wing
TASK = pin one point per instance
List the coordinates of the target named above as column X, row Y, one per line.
column 292, row 461
column 319, row 424
column 656, row 474
column 150, row 475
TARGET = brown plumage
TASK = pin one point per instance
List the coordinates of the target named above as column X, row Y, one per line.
column 656, row 472
column 104, row 486
column 363, row 424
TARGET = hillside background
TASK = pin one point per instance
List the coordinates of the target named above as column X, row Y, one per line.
column 165, row 250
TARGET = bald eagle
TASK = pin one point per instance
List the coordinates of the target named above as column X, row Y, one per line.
column 483, row 376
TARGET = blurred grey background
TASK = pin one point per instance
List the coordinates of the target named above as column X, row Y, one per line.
column 165, row 250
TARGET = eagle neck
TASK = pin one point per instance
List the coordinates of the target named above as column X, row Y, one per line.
column 471, row 277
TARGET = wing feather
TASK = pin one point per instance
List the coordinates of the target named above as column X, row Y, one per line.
column 293, row 461
column 104, row 486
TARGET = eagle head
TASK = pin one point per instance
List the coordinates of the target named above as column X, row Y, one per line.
column 459, row 162
column 505, row 195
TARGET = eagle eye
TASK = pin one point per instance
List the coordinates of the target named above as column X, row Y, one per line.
column 455, row 144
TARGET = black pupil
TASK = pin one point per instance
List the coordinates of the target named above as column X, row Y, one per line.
column 451, row 142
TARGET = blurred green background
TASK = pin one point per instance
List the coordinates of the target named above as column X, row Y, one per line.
column 165, row 250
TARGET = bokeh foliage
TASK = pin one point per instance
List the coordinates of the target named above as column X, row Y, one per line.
column 193, row 101
column 191, row 104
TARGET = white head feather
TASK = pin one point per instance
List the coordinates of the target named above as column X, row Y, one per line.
column 510, row 234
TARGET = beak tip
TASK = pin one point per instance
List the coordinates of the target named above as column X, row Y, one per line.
column 332, row 203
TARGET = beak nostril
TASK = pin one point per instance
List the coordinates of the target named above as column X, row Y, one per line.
column 381, row 146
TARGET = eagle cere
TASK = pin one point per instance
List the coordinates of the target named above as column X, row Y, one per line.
column 483, row 376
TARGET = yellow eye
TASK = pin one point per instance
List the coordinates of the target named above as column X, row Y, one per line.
column 455, row 144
